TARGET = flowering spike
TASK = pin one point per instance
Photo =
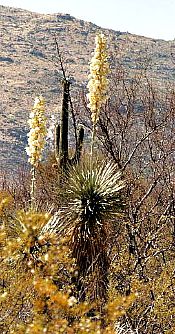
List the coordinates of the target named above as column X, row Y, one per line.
column 36, row 136
column 98, row 82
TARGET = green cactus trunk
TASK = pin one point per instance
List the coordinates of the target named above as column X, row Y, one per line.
column 61, row 134
column 64, row 119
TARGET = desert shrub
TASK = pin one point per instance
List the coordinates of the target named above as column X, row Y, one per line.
column 37, row 282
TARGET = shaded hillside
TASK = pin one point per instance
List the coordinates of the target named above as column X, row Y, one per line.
column 29, row 66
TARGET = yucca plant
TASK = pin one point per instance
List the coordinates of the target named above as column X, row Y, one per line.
column 93, row 193
column 36, row 141
column 98, row 82
column 95, row 197
column 93, row 190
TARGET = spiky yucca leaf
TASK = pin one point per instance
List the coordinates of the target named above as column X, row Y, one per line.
column 93, row 190
column 94, row 200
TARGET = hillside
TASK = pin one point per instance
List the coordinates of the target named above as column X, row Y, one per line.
column 29, row 66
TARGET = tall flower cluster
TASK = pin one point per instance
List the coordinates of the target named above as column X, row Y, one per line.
column 98, row 82
column 36, row 136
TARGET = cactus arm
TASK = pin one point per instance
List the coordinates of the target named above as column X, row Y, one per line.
column 64, row 117
column 78, row 150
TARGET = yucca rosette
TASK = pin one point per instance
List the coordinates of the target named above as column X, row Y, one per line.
column 37, row 133
column 98, row 82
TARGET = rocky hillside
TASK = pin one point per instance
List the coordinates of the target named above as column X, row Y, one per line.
column 29, row 66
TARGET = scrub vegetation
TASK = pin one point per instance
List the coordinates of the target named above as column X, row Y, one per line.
column 87, row 236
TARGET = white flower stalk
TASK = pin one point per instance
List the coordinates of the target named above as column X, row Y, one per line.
column 37, row 134
column 98, row 82
column 36, row 140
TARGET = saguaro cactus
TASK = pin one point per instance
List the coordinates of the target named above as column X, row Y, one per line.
column 61, row 133
column 63, row 142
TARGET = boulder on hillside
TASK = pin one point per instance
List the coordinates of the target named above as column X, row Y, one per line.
column 7, row 59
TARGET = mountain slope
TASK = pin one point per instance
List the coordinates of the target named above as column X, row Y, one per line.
column 29, row 66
